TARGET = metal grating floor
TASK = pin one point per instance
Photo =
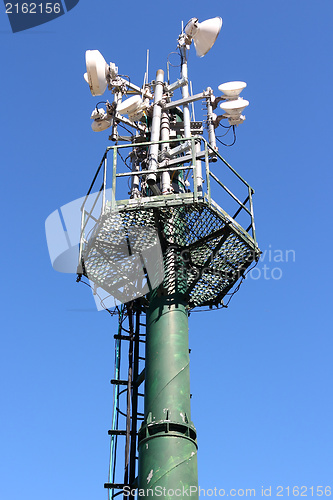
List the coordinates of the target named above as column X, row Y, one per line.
column 205, row 252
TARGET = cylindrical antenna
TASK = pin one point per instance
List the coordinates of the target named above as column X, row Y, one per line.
column 155, row 129
column 211, row 129
column 186, row 114
column 165, row 136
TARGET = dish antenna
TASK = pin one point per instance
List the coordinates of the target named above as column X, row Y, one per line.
column 98, row 72
column 203, row 34
column 101, row 121
column 231, row 90
column 133, row 107
column 233, row 110
column 130, row 106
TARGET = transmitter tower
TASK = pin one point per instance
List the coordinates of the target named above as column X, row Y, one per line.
column 183, row 239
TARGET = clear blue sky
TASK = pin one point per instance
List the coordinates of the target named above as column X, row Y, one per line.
column 261, row 371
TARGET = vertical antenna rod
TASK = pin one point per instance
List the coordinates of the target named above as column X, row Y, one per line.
column 155, row 130
column 186, row 112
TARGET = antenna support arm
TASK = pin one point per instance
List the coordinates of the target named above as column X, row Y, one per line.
column 186, row 100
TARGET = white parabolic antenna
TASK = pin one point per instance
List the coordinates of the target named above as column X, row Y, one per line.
column 97, row 71
column 101, row 121
column 100, row 125
column 234, row 108
column 130, row 105
column 203, row 34
column 232, row 89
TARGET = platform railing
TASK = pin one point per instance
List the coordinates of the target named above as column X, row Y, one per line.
column 208, row 155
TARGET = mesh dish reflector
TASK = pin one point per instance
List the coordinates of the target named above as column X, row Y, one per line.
column 206, row 34
column 97, row 70
column 232, row 89
column 234, row 108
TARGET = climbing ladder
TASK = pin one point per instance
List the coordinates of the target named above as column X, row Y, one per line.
column 127, row 395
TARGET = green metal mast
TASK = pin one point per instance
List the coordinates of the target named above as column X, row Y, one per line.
column 167, row 438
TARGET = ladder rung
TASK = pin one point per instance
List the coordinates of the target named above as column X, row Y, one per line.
column 117, row 432
column 114, row 486
column 123, row 337
column 118, row 382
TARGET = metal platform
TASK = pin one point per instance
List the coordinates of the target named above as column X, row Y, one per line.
column 205, row 250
